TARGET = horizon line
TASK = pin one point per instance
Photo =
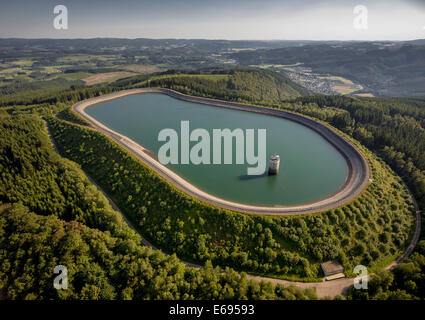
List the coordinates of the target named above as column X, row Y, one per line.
column 209, row 39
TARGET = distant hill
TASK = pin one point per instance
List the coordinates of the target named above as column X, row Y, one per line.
column 235, row 84
column 384, row 69
column 418, row 42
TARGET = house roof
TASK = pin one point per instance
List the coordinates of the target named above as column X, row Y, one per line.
column 331, row 267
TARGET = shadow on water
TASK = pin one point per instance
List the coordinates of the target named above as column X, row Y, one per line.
column 252, row 177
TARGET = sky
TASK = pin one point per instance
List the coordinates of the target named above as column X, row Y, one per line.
column 215, row 19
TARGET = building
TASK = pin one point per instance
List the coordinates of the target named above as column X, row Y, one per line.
column 274, row 164
column 332, row 270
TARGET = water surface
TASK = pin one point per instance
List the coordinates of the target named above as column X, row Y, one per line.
column 310, row 168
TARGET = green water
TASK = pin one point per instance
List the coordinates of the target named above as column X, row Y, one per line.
column 310, row 168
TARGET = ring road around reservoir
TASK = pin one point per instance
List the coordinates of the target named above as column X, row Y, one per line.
column 358, row 168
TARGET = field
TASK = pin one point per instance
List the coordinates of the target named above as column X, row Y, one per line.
column 36, row 72
column 106, row 77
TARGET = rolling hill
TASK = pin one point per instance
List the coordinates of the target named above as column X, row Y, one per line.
column 235, row 84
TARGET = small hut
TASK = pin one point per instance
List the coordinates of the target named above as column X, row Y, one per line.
column 332, row 270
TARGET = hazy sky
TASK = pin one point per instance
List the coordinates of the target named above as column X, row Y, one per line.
column 215, row 19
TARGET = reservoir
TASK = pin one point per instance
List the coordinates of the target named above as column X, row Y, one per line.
column 311, row 168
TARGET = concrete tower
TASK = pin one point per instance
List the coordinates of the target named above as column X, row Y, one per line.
column 274, row 164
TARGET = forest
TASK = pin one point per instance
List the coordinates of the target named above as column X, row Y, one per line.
column 240, row 84
column 405, row 282
column 50, row 214
column 372, row 230
column 285, row 247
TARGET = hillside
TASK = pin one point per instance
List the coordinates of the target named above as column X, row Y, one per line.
column 235, row 84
